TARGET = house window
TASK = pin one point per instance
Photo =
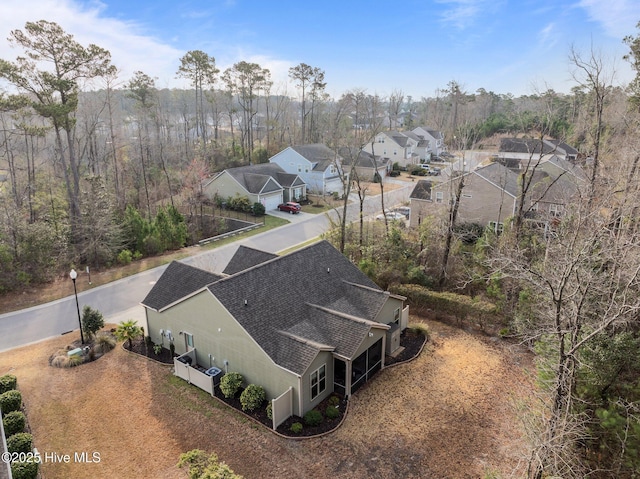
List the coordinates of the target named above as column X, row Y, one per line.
column 439, row 196
column 188, row 341
column 318, row 381
column 299, row 168
column 395, row 152
column 332, row 169
column 306, row 169
column 555, row 210
column 396, row 316
column 534, row 207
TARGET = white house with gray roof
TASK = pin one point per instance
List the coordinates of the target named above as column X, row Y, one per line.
column 264, row 183
column 309, row 323
column 434, row 140
column 317, row 165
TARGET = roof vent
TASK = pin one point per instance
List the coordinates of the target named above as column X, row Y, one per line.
column 245, row 302
column 328, row 270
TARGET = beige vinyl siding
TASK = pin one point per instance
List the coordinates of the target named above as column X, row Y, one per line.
column 386, row 314
column 217, row 333
column 326, row 358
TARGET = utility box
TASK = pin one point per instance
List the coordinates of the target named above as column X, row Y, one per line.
column 393, row 339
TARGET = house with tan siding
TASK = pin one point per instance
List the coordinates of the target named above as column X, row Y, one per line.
column 309, row 323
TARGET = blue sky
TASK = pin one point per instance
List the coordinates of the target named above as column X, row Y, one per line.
column 503, row 46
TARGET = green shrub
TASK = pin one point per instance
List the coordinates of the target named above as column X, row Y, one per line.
column 24, row 470
column 252, row 397
column 13, row 423
column 7, row 383
column 313, row 418
column 10, row 401
column 334, row 401
column 20, row 442
column 296, row 428
column 270, row 410
column 230, row 384
column 258, row 209
column 92, row 321
column 104, row 343
column 157, row 349
column 458, row 305
column 332, row 412
column 125, row 257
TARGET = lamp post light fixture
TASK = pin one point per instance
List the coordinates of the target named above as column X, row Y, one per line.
column 73, row 275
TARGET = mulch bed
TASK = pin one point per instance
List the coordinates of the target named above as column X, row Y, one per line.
column 410, row 340
column 138, row 346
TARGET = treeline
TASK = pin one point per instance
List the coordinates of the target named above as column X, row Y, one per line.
column 81, row 146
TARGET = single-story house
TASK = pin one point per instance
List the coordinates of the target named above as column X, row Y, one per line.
column 316, row 164
column 305, row 325
column 265, row 183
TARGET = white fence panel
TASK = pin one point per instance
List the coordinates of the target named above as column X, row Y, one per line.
column 282, row 408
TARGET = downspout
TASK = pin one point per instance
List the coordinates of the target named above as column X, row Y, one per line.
column 300, row 405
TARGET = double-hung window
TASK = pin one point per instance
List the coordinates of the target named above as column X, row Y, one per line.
column 318, row 381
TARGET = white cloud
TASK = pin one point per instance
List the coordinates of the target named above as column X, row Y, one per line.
column 547, row 36
column 463, row 13
column 130, row 48
column 617, row 17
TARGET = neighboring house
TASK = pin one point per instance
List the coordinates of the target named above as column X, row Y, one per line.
column 434, row 139
column 366, row 164
column 397, row 146
column 265, row 183
column 420, row 202
column 489, row 195
column 316, row 164
column 564, row 151
column 492, row 193
column 518, row 152
column 308, row 324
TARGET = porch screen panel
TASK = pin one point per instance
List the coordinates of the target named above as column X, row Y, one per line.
column 339, row 376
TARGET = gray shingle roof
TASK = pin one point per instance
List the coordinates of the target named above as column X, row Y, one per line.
column 525, row 145
column 422, row 190
column 302, row 302
column 177, row 281
column 500, row 176
column 561, row 145
column 364, row 159
column 319, row 154
column 259, row 178
column 245, row 258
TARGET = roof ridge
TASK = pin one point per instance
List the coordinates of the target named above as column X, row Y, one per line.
column 351, row 317
column 309, row 342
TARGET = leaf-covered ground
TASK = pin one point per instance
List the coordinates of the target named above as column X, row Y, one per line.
column 448, row 414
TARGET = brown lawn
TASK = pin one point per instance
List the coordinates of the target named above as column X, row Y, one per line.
column 447, row 414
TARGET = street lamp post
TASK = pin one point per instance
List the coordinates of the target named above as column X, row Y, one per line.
column 73, row 275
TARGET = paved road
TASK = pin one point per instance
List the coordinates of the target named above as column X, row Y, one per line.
column 120, row 300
